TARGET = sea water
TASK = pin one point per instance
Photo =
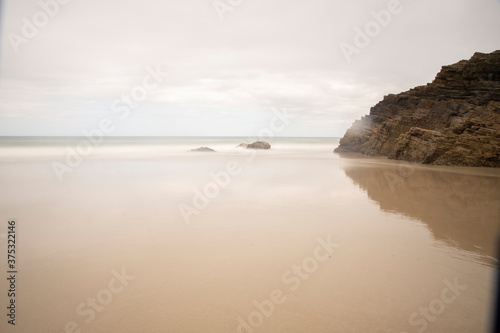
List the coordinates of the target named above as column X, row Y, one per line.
column 143, row 235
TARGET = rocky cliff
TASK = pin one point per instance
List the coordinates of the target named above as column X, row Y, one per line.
column 455, row 120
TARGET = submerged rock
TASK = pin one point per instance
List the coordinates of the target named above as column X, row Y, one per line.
column 455, row 120
column 203, row 149
column 259, row 145
column 242, row 145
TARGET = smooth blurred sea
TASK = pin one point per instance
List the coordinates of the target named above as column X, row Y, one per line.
column 405, row 231
column 130, row 146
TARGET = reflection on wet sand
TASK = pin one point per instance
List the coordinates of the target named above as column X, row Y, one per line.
column 460, row 207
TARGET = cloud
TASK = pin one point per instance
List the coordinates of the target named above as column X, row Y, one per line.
column 265, row 54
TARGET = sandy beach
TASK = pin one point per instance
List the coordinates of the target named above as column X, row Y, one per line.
column 231, row 166
column 294, row 239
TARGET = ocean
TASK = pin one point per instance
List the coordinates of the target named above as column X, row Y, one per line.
column 139, row 234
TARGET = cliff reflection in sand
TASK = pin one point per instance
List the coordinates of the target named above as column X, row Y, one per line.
column 459, row 206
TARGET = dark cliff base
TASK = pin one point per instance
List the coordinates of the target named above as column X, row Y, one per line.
column 455, row 120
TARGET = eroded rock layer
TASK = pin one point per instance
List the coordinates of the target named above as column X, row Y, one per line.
column 455, row 120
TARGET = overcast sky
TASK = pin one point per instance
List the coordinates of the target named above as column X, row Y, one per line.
column 224, row 68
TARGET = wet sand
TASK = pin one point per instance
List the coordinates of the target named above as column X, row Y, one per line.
column 297, row 241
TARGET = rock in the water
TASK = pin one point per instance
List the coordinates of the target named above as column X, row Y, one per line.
column 259, row 145
column 203, row 149
column 455, row 120
column 242, row 145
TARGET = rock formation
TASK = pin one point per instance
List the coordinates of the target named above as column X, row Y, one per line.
column 455, row 120
column 203, row 149
column 259, row 145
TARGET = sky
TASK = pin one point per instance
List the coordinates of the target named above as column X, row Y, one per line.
column 223, row 67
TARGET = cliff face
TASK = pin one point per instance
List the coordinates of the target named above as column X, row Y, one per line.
column 455, row 120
